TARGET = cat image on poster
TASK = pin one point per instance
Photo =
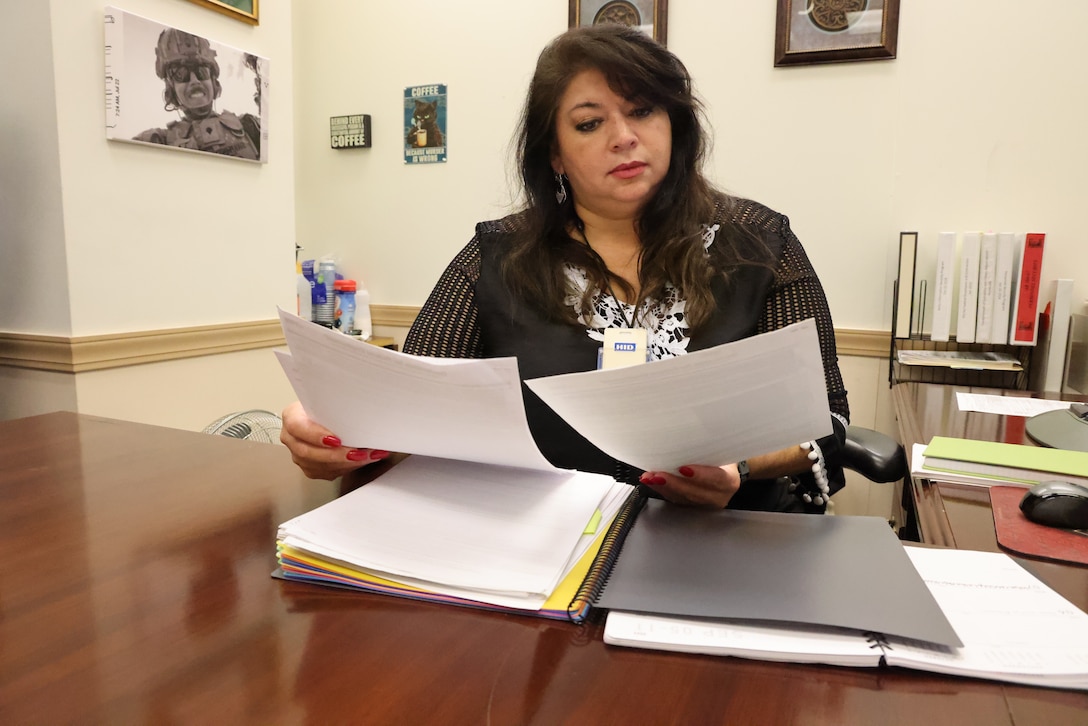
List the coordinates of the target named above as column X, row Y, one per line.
column 424, row 131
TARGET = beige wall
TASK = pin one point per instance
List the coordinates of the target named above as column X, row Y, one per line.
column 975, row 125
column 107, row 239
column 31, row 213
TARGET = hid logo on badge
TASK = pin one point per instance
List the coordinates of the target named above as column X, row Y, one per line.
column 623, row 347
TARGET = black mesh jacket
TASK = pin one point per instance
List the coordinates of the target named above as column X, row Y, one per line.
column 471, row 314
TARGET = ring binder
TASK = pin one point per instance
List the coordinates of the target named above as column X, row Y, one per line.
column 586, row 596
column 879, row 641
column 1034, row 637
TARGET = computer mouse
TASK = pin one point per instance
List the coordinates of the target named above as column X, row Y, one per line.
column 1057, row 504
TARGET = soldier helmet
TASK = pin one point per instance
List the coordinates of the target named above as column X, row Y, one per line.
column 178, row 47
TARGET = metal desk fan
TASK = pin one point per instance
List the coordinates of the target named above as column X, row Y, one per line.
column 253, row 425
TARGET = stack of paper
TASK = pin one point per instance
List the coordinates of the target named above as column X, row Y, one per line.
column 971, row 360
column 973, row 461
column 495, row 536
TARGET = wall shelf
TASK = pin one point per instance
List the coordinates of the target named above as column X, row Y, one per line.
column 899, row 372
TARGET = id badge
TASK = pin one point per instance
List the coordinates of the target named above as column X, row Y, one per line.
column 623, row 347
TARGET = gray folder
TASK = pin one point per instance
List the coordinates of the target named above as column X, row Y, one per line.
column 849, row 572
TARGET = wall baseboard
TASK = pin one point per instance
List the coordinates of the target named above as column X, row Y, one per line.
column 97, row 352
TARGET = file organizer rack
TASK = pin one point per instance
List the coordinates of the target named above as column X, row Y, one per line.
column 899, row 373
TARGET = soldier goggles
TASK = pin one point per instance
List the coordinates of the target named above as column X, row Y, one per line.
column 181, row 73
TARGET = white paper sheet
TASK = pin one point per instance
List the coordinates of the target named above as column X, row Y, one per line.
column 470, row 410
column 1007, row 405
column 712, row 407
column 1012, row 625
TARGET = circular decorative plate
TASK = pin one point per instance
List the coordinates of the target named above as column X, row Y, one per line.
column 618, row 11
column 832, row 15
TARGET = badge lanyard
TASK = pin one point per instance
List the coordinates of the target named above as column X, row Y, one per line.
column 626, row 346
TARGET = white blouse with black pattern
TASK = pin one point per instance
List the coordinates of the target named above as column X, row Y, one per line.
column 664, row 320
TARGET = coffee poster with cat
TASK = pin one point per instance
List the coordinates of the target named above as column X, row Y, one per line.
column 425, row 124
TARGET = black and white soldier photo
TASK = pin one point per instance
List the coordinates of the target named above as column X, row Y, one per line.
column 172, row 88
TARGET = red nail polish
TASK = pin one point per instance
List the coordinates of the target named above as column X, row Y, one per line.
column 358, row 455
column 331, row 441
column 686, row 471
column 652, row 480
column 378, row 454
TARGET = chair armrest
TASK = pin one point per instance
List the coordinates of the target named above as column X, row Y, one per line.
column 876, row 456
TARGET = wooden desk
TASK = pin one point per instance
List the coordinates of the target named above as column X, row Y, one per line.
column 958, row 515
column 135, row 588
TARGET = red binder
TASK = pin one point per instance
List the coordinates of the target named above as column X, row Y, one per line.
column 1026, row 310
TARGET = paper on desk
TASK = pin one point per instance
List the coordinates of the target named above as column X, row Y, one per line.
column 1013, row 627
column 1007, row 405
column 713, row 407
column 456, row 527
column 470, row 410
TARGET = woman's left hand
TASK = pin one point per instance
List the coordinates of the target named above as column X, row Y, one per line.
column 709, row 487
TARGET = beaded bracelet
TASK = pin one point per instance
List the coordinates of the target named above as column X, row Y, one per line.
column 819, row 474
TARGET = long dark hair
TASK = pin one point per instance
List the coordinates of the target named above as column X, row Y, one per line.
column 670, row 224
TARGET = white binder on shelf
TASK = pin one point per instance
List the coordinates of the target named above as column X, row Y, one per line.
column 967, row 306
column 987, row 273
column 968, row 318
column 1005, row 280
column 1061, row 308
column 943, row 287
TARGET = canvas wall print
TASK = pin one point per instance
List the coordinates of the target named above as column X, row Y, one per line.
column 173, row 89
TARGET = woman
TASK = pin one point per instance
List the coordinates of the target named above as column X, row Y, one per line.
column 620, row 229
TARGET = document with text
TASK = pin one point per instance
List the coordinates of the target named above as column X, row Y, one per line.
column 713, row 407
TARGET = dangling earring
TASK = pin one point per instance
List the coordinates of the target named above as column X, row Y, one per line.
column 561, row 190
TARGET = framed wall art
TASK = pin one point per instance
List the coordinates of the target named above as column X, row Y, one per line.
column 244, row 10
column 832, row 31
column 649, row 16
column 425, row 125
column 167, row 88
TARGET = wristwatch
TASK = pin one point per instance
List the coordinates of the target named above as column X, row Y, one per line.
column 743, row 470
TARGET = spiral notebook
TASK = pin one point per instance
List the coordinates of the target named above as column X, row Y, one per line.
column 824, row 571
column 1014, row 629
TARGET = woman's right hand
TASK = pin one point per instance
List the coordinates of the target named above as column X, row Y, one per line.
column 318, row 451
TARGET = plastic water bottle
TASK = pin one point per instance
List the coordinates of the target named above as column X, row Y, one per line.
column 304, row 294
column 311, row 279
column 325, row 294
column 345, row 306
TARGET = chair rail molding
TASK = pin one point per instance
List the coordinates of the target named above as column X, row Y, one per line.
column 116, row 350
